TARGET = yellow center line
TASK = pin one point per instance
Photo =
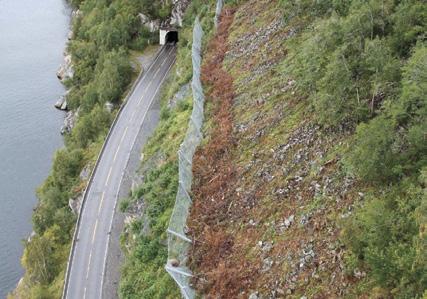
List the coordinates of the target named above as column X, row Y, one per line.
column 108, row 177
column 124, row 134
column 94, row 232
column 143, row 93
column 88, row 265
column 115, row 155
column 133, row 115
column 102, row 201
column 121, row 141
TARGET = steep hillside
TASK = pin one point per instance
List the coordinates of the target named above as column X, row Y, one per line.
column 308, row 181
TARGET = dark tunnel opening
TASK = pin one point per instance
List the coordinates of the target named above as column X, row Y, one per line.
column 172, row 37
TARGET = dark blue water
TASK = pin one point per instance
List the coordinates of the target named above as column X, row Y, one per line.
column 32, row 39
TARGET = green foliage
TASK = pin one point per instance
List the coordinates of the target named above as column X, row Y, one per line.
column 90, row 127
column 42, row 256
column 104, row 32
column 143, row 275
column 409, row 25
column 384, row 238
column 363, row 65
column 347, row 59
column 54, row 193
column 394, row 143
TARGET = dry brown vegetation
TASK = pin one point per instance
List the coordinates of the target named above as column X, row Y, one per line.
column 253, row 173
column 271, row 194
column 215, row 176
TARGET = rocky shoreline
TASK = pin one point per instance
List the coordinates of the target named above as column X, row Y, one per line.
column 64, row 73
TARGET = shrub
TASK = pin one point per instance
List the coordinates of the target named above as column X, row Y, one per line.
column 384, row 238
column 394, row 143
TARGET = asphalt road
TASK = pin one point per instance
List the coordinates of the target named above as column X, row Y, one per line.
column 87, row 268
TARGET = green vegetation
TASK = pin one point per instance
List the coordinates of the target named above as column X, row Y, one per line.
column 363, row 65
column 104, row 34
column 360, row 71
column 145, row 239
column 384, row 236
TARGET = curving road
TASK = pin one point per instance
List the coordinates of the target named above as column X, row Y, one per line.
column 86, row 270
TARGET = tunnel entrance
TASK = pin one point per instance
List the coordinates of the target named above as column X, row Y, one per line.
column 172, row 37
column 168, row 35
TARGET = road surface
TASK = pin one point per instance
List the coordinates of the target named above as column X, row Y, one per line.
column 87, row 265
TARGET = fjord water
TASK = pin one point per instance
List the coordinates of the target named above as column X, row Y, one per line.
column 32, row 39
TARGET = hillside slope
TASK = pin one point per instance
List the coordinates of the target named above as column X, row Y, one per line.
column 308, row 180
column 311, row 178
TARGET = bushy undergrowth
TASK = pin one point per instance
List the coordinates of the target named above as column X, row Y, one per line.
column 145, row 240
column 385, row 236
column 104, row 32
column 363, row 65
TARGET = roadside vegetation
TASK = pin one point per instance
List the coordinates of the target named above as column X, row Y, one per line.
column 104, row 33
column 312, row 176
column 144, row 239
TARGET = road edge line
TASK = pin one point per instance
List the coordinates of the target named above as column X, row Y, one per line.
column 121, row 179
column 76, row 229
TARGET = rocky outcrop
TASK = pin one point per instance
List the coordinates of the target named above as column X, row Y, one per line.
column 76, row 202
column 109, row 106
column 69, row 121
column 70, row 35
column 61, row 104
column 178, row 10
column 65, row 70
column 151, row 25
column 75, row 14
column 183, row 92
column 174, row 20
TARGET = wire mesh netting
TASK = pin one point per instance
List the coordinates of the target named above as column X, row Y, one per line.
column 178, row 242
column 219, row 5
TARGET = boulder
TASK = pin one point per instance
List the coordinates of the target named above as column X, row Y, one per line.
column 109, row 106
column 60, row 102
column 64, row 105
column 179, row 96
column 70, row 35
column 31, row 236
column 174, row 262
column 75, row 204
column 85, row 173
column 178, row 10
column 151, row 25
column 65, row 70
column 69, row 121
column 76, row 13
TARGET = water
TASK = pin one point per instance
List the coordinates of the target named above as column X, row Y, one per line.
column 32, row 38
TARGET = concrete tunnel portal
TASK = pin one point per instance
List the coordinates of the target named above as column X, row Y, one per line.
column 168, row 35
